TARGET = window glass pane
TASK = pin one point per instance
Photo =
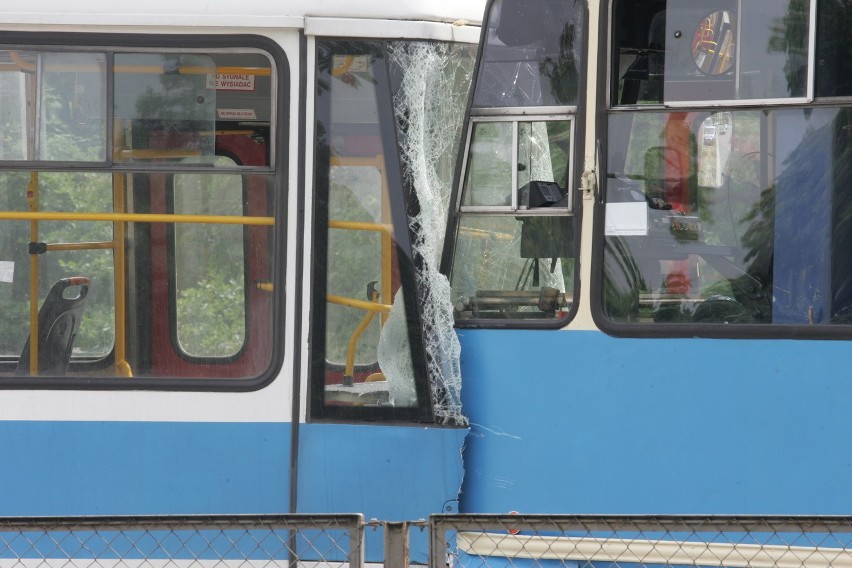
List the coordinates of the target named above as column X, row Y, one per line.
column 17, row 87
column 834, row 46
column 355, row 197
column 687, row 50
column 544, row 152
column 431, row 86
column 150, row 273
column 517, row 264
column 370, row 326
column 489, row 171
column 210, row 265
column 509, row 267
column 60, row 96
column 73, row 103
column 531, row 55
column 749, row 225
column 165, row 107
column 57, row 192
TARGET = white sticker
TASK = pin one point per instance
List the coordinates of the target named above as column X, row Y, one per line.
column 626, row 219
column 7, row 271
column 236, row 114
column 233, row 82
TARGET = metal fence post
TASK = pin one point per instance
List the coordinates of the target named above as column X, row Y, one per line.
column 356, row 544
column 437, row 543
column 396, row 545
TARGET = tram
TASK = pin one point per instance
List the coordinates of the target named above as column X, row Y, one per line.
column 649, row 261
column 215, row 238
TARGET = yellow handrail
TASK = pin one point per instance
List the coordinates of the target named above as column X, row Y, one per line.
column 360, row 304
column 383, row 297
column 361, row 226
column 80, row 246
column 19, row 64
column 122, row 154
column 349, row 370
column 136, row 218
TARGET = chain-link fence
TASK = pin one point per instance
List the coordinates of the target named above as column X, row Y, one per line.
column 526, row 541
column 455, row 541
column 314, row 541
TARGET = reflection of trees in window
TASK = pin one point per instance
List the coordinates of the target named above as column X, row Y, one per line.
column 834, row 44
column 178, row 111
column 562, row 72
column 210, row 264
column 790, row 36
column 623, row 279
column 841, row 237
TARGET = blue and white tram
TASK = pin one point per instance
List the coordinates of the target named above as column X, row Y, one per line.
column 207, row 274
column 649, row 253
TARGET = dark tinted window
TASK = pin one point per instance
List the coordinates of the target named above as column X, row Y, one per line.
column 694, row 50
column 531, row 55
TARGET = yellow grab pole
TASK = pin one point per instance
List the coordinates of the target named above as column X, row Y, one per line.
column 32, row 204
column 387, row 238
column 349, row 371
column 122, row 367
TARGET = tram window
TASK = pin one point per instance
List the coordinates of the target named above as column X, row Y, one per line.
column 370, row 332
column 834, row 46
column 165, row 103
column 89, row 192
column 752, row 228
column 512, row 257
column 670, row 51
column 531, row 54
column 514, row 249
column 54, row 106
column 488, row 179
column 157, row 260
column 367, row 276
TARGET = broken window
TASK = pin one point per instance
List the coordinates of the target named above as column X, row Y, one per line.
column 388, row 121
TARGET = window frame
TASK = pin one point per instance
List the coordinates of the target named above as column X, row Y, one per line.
column 578, row 115
column 515, row 120
column 275, row 172
column 611, row 84
column 174, row 324
column 403, row 234
column 607, row 86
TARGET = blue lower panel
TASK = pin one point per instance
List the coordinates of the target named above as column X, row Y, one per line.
column 580, row 422
column 121, row 468
column 390, row 473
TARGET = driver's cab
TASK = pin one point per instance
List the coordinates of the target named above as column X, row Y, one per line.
column 514, row 231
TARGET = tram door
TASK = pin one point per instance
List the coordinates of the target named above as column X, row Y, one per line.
column 223, row 269
column 239, row 276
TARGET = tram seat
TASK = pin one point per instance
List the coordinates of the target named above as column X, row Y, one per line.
column 58, row 322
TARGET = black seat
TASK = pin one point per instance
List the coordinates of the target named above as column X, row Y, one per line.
column 58, row 321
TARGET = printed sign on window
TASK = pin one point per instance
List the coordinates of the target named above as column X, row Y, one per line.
column 233, row 82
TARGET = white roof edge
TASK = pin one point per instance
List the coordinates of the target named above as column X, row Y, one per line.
column 249, row 13
column 15, row 19
column 315, row 26
column 382, row 29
